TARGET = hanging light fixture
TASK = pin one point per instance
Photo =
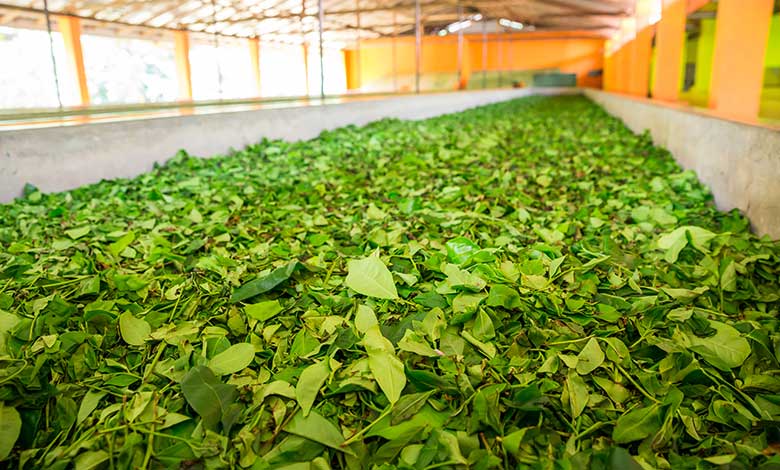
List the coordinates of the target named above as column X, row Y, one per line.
column 459, row 25
column 511, row 24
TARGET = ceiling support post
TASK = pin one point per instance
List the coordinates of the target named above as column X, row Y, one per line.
column 484, row 53
column 460, row 45
column 417, row 45
column 741, row 38
column 181, row 41
column 70, row 29
column 254, row 57
column 322, row 59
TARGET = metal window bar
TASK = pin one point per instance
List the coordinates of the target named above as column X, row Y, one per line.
column 417, row 46
column 460, row 45
column 322, row 60
column 216, row 47
column 395, row 54
column 484, row 53
column 51, row 53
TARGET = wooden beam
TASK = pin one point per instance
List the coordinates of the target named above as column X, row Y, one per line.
column 254, row 57
column 181, row 41
column 70, row 30
column 741, row 37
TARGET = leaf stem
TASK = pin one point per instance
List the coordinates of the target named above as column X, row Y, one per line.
column 355, row 436
column 636, row 384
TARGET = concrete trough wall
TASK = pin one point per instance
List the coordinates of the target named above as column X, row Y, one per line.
column 740, row 163
column 61, row 158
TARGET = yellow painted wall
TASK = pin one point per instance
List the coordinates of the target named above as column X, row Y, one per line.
column 770, row 96
column 700, row 50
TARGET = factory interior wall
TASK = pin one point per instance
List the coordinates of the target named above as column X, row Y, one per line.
column 370, row 67
column 698, row 50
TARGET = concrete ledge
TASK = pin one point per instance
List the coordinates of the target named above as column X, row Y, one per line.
column 740, row 163
column 61, row 158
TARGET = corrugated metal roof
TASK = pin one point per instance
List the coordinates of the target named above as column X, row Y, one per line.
column 345, row 20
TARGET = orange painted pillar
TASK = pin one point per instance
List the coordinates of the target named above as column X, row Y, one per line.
column 608, row 81
column 621, row 69
column 630, row 63
column 70, row 29
column 669, row 44
column 181, row 42
column 306, row 65
column 741, row 36
column 694, row 5
column 254, row 57
column 350, row 68
column 617, row 73
column 464, row 81
column 640, row 63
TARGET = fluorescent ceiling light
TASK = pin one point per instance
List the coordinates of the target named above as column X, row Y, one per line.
column 459, row 25
column 511, row 24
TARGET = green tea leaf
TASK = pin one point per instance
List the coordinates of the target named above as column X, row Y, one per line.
column 263, row 311
column 88, row 404
column 119, row 246
column 309, row 384
column 590, row 357
column 77, row 233
column 672, row 243
column 318, row 429
column 415, row 343
column 9, row 431
column 459, row 250
column 207, row 395
column 370, row 277
column 135, row 331
column 408, row 406
column 233, row 359
column 488, row 349
column 365, row 318
column 264, row 284
column 725, row 350
column 578, row 394
column 90, row 459
column 387, row 370
column 637, row 424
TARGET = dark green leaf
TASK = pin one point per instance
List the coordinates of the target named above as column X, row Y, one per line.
column 637, row 424
column 265, row 283
column 318, row 429
column 207, row 395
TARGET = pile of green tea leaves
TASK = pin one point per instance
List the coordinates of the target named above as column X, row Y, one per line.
column 522, row 285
